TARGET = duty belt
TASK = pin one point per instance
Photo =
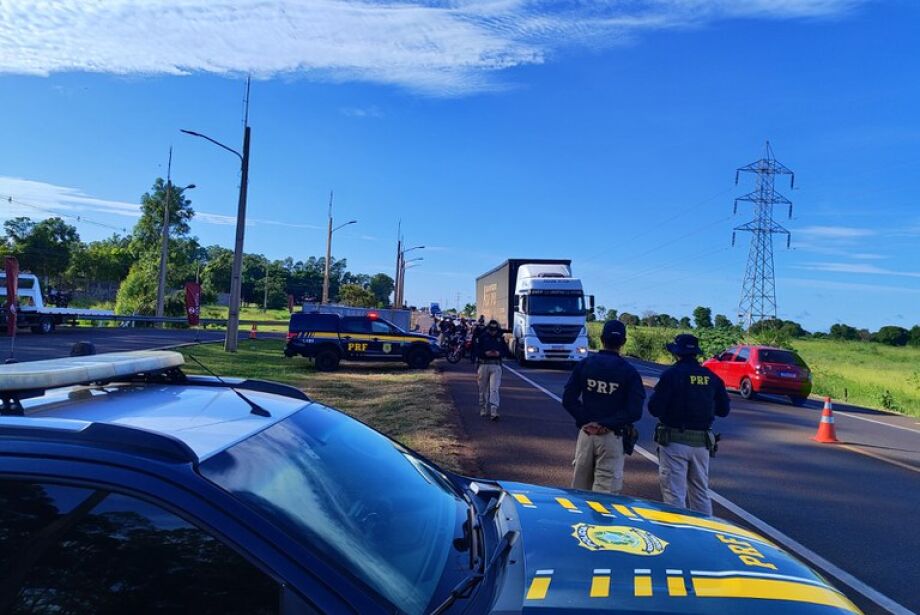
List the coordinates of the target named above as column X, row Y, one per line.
column 490, row 361
column 690, row 437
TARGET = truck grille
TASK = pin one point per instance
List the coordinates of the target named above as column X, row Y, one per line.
column 557, row 334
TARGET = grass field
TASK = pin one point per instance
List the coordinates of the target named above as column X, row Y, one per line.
column 861, row 373
column 410, row 406
column 250, row 313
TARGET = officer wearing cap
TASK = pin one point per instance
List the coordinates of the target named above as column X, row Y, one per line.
column 490, row 348
column 686, row 400
column 604, row 395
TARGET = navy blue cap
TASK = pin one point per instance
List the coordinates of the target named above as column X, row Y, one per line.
column 614, row 330
column 685, row 344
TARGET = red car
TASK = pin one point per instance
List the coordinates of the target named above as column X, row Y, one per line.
column 762, row 369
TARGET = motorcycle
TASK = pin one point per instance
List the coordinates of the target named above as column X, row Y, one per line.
column 457, row 348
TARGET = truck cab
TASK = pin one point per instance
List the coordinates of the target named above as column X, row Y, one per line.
column 549, row 315
column 33, row 311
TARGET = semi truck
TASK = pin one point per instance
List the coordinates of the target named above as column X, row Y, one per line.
column 540, row 305
column 33, row 312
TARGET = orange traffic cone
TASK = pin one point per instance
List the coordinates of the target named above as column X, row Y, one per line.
column 826, row 432
column 252, row 332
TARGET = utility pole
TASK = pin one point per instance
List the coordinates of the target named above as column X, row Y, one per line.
column 758, row 293
column 328, row 254
column 398, row 277
column 265, row 297
column 164, row 248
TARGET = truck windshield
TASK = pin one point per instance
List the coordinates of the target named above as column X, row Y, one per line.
column 358, row 498
column 556, row 305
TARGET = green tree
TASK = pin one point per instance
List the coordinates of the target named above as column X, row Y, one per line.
column 702, row 317
column 630, row 320
column 892, row 336
column 381, row 285
column 108, row 260
column 684, row 323
column 352, row 294
column 469, row 310
column 43, row 247
column 147, row 233
column 914, row 336
column 600, row 313
column 841, row 331
column 722, row 322
column 218, row 267
column 611, row 315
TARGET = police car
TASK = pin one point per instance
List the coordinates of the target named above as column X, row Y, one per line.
column 330, row 338
column 128, row 486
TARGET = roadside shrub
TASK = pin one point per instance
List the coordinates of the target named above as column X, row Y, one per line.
column 714, row 341
column 892, row 335
column 647, row 344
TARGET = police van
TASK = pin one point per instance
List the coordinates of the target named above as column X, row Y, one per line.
column 331, row 338
column 128, row 486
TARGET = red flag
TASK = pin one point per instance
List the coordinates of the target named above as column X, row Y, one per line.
column 193, row 302
column 12, row 292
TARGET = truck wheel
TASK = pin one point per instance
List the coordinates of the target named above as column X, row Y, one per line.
column 45, row 325
column 418, row 358
column 519, row 355
column 746, row 389
column 327, row 360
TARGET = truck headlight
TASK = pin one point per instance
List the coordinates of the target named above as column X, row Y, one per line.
column 582, row 350
column 531, row 349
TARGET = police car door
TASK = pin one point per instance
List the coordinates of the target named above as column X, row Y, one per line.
column 356, row 337
column 385, row 341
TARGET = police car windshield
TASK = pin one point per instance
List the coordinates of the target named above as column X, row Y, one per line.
column 556, row 305
column 360, row 499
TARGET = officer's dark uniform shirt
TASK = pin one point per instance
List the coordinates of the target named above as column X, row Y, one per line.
column 688, row 396
column 604, row 389
column 486, row 342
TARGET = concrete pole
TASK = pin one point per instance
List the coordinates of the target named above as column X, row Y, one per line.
column 164, row 247
column 233, row 320
column 328, row 254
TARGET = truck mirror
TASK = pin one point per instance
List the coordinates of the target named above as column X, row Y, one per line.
column 517, row 303
column 591, row 303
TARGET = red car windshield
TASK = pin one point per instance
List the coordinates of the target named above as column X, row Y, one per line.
column 785, row 357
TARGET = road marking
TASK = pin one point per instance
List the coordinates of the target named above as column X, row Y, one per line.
column 895, row 462
column 792, row 545
column 862, row 418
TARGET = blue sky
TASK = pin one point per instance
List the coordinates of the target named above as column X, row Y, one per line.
column 604, row 132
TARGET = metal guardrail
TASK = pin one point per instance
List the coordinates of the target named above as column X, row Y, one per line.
column 171, row 319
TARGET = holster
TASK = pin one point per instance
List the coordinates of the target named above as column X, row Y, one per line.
column 662, row 434
column 712, row 442
column 630, row 437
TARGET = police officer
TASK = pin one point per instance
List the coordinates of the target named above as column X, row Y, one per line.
column 604, row 395
column 478, row 328
column 490, row 348
column 686, row 400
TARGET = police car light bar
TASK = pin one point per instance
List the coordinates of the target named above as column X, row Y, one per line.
column 69, row 371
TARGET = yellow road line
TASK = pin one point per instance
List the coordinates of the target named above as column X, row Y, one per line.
column 770, row 589
column 893, row 462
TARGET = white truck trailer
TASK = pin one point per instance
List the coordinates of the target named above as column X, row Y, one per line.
column 542, row 306
column 33, row 312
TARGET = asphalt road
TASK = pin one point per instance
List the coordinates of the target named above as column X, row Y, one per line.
column 855, row 504
column 34, row 347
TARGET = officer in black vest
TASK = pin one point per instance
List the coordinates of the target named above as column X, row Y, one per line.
column 604, row 395
column 686, row 401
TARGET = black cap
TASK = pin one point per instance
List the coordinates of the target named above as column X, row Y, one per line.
column 614, row 331
column 685, row 344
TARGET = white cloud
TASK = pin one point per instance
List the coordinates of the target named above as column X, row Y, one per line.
column 836, row 232
column 433, row 46
column 362, row 112
column 857, row 268
column 35, row 199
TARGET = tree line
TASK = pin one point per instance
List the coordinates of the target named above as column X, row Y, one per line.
column 53, row 250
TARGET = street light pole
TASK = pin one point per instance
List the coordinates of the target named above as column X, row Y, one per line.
column 328, row 255
column 401, row 273
column 164, row 248
column 233, row 320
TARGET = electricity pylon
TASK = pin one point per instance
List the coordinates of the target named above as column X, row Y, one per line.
column 758, row 293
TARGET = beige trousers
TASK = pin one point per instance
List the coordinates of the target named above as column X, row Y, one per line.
column 683, row 473
column 598, row 463
column 490, row 381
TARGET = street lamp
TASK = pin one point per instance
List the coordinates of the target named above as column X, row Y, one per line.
column 164, row 248
column 233, row 319
column 325, row 299
column 400, row 271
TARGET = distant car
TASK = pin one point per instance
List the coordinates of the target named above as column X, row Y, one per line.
column 762, row 369
column 331, row 338
column 136, row 488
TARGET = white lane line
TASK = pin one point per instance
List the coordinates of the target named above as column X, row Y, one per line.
column 792, row 545
column 894, row 462
column 862, row 418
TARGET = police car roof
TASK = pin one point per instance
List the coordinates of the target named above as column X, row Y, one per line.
column 196, row 415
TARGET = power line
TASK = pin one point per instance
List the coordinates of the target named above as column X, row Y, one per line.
column 9, row 199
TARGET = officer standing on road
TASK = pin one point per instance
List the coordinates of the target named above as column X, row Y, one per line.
column 478, row 329
column 490, row 348
column 686, row 400
column 605, row 395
